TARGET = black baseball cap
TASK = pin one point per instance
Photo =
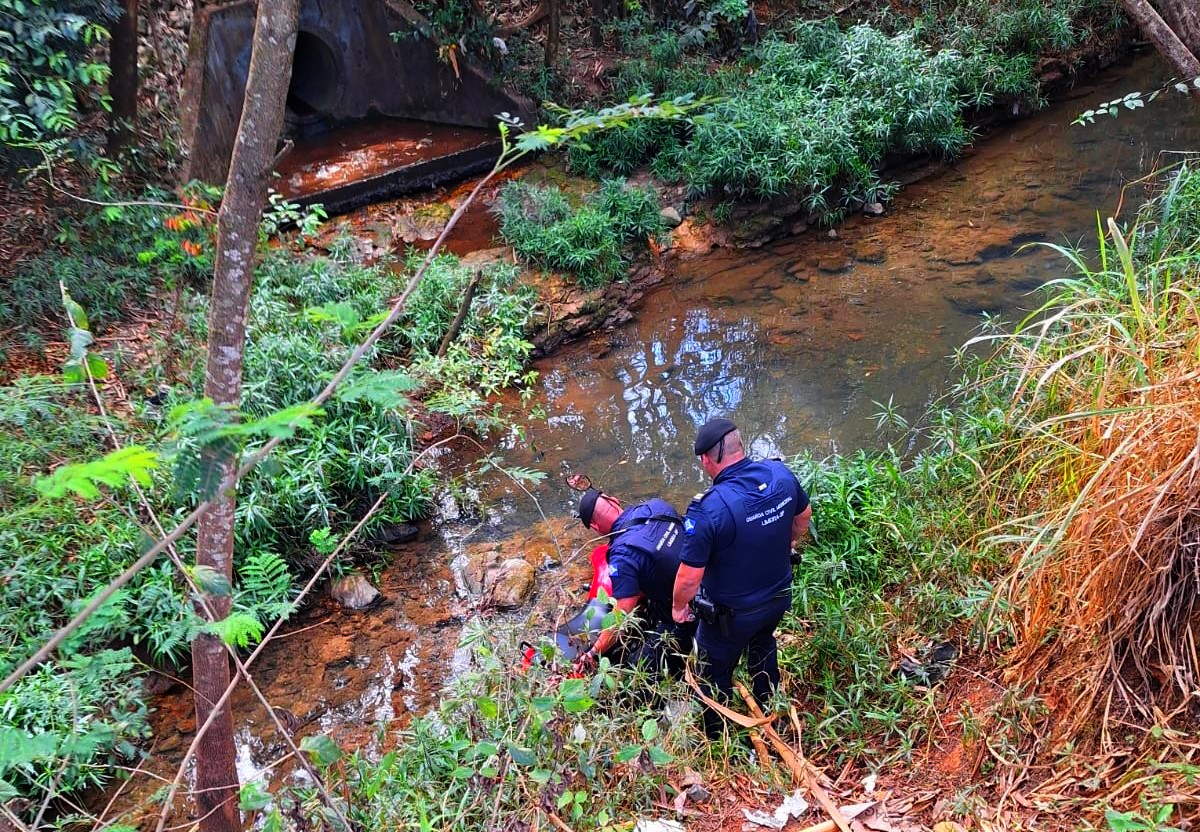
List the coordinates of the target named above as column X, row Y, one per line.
column 587, row 506
column 712, row 432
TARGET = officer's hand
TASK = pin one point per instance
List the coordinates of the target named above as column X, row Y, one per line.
column 586, row 661
column 682, row 615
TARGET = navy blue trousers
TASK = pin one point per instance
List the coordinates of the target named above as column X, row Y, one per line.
column 751, row 632
column 662, row 646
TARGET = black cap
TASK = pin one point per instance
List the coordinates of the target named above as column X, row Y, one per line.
column 587, row 506
column 712, row 432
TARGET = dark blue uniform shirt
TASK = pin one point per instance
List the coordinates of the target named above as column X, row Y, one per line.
column 740, row 531
column 643, row 556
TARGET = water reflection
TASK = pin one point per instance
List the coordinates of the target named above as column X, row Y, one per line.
column 803, row 341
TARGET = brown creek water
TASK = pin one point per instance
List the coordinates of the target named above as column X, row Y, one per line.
column 796, row 340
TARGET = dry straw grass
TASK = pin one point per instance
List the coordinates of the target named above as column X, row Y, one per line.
column 1106, row 402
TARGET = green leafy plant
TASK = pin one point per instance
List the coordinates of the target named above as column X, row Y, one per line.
column 593, row 241
column 47, row 70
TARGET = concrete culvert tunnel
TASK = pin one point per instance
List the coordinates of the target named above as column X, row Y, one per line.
column 369, row 71
column 316, row 79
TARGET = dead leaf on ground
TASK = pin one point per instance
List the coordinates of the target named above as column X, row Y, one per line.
column 947, row 826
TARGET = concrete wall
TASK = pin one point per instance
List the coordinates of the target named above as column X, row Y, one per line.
column 348, row 67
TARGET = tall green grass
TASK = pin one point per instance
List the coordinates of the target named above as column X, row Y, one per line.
column 594, row 240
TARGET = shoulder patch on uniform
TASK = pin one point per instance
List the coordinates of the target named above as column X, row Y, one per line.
column 689, row 525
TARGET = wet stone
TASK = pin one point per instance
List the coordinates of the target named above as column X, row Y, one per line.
column 513, row 583
column 870, row 251
column 354, row 592
column 395, row 534
column 833, row 264
column 670, row 216
column 335, row 650
column 974, row 302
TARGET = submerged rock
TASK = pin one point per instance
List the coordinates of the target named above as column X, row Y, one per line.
column 354, row 592
column 395, row 534
column 512, row 583
column 503, row 576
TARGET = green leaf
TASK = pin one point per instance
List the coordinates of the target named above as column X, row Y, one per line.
column 252, row 797
column 238, row 629
column 578, row 706
column 573, row 689
column 628, row 753
column 658, row 756
column 487, row 707
column 484, row 749
column 97, row 366
column 210, row 581
column 385, row 388
column 130, row 464
column 540, row 776
column 521, row 756
column 75, row 312
column 18, row 748
column 649, row 730
column 321, row 749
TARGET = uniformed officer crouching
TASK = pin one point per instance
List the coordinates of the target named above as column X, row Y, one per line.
column 736, row 571
column 645, row 542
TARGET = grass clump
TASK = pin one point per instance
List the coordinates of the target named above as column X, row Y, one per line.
column 814, row 111
column 812, row 116
column 514, row 749
column 595, row 241
column 307, row 314
column 1103, row 389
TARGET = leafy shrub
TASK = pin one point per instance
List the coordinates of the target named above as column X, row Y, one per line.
column 45, row 71
column 591, row 751
column 814, row 113
column 819, row 115
column 812, row 116
column 593, row 241
column 107, row 259
column 306, row 315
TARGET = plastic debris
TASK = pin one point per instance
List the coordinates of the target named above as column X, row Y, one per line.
column 764, row 820
column 664, row 825
column 792, row 806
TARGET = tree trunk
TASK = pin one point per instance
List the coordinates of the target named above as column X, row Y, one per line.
column 597, row 22
column 1183, row 17
column 1164, row 39
column 123, row 81
column 237, row 235
column 554, row 11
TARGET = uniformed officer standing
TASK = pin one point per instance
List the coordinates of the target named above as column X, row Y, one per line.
column 738, row 539
column 645, row 543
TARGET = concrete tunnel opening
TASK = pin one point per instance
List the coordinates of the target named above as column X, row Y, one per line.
column 315, row 84
column 369, row 115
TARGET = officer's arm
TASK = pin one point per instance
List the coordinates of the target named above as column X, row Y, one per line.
column 800, row 525
column 609, row 635
column 687, row 582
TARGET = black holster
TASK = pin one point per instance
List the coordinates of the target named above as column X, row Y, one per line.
column 711, row 612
